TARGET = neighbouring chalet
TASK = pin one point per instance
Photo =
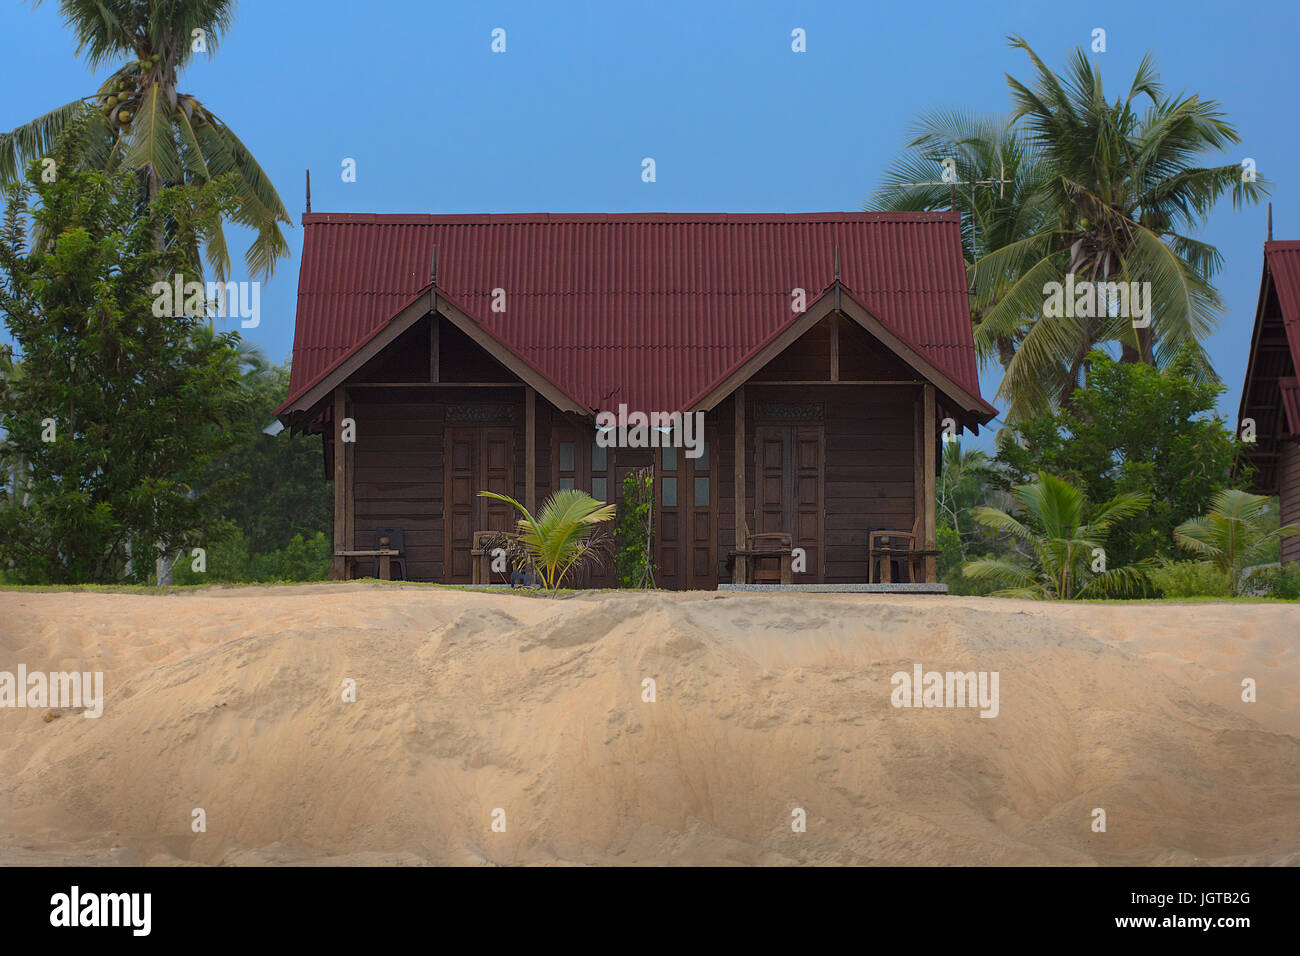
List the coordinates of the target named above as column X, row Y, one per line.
column 1271, row 393
column 474, row 352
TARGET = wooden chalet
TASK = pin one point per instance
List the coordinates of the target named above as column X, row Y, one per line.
column 1271, row 393
column 473, row 353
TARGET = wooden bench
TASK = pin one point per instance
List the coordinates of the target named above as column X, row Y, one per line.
column 881, row 547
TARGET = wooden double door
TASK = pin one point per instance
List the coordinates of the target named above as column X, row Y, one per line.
column 789, row 491
column 474, row 460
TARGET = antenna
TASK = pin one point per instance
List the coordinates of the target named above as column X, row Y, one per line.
column 309, row 190
column 952, row 185
column 1270, row 222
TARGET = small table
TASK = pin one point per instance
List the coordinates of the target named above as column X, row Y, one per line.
column 385, row 556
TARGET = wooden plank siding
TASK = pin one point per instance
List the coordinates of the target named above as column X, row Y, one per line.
column 1288, row 491
column 872, row 437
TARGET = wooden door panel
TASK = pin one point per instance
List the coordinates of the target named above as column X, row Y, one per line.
column 477, row 459
column 790, row 489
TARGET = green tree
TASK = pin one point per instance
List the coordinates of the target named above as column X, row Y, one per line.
column 1233, row 534
column 1062, row 542
column 1104, row 190
column 144, row 123
column 117, row 410
column 1132, row 428
column 634, row 530
column 560, row 538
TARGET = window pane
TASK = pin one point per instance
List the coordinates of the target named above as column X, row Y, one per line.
column 566, row 483
column 670, row 492
column 599, row 489
column 702, row 492
column 597, row 457
column 702, row 463
column 670, row 459
column 566, row 457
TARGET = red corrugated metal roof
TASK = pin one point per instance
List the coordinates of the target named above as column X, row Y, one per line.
column 654, row 309
column 1284, row 265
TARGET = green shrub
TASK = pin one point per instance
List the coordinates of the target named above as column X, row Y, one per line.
column 1184, row 579
column 633, row 530
column 230, row 561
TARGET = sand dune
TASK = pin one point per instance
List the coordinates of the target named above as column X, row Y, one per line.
column 230, row 700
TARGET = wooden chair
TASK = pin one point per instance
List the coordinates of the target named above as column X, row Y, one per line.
column 888, row 545
column 485, row 542
column 771, row 556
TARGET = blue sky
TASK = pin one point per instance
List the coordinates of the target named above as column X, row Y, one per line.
column 735, row 120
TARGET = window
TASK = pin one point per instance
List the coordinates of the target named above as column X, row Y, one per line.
column 597, row 457
column 670, row 492
column 701, row 492
column 669, row 458
column 600, row 489
column 702, row 463
column 566, row 483
column 566, row 456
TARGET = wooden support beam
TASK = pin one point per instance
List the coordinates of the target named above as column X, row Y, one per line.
column 435, row 326
column 339, row 565
column 349, row 484
column 918, row 466
column 931, row 472
column 835, row 347
column 739, row 571
column 530, row 449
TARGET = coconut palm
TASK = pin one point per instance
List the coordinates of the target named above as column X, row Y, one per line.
column 140, row 120
column 560, row 538
column 1123, row 190
column 1233, row 535
column 1061, row 544
column 1005, row 209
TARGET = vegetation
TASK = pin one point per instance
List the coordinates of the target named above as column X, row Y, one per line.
column 1132, row 428
column 142, row 122
column 561, row 538
column 1061, row 544
column 117, row 411
column 634, row 531
column 1232, row 535
column 1101, row 190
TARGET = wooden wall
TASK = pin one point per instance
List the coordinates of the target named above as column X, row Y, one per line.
column 1288, row 489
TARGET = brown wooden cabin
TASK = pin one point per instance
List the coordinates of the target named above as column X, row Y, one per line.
column 473, row 353
column 1271, row 393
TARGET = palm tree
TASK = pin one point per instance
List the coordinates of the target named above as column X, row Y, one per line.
column 1004, row 210
column 559, row 538
column 1106, row 191
column 1123, row 192
column 1059, row 541
column 1233, row 535
column 143, row 122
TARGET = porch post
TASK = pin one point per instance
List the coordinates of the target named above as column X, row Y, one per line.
column 530, row 449
column 349, row 481
column 338, row 566
column 931, row 532
column 739, row 570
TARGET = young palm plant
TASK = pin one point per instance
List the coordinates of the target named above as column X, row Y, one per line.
column 560, row 537
column 140, row 120
column 1233, row 535
column 1060, row 538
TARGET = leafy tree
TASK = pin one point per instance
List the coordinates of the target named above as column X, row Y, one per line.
column 117, row 410
column 560, row 538
column 277, row 485
column 1233, row 534
column 1132, row 428
column 1062, row 544
column 144, row 123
